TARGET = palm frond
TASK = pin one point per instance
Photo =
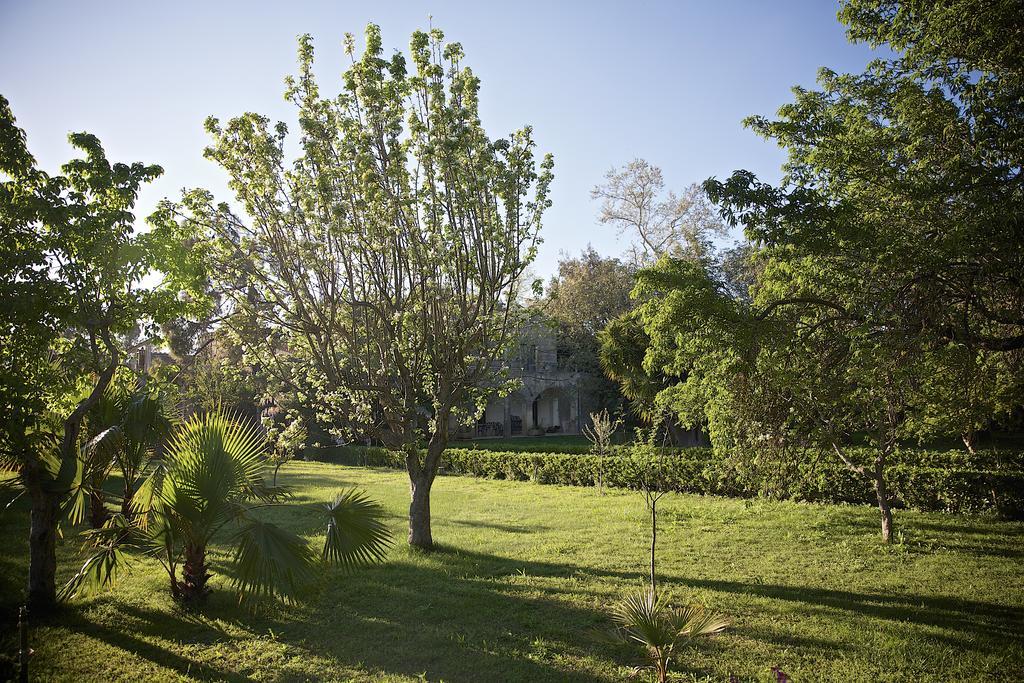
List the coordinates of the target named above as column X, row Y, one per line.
column 269, row 560
column 213, row 462
column 639, row 618
column 694, row 620
column 108, row 560
column 646, row 618
column 356, row 533
column 102, row 448
column 99, row 571
column 145, row 500
column 74, row 503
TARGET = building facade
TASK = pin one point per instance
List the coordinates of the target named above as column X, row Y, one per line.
column 550, row 398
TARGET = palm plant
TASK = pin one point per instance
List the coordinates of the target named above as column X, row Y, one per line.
column 645, row 618
column 126, row 428
column 210, row 481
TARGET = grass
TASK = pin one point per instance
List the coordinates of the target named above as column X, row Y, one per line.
column 524, row 574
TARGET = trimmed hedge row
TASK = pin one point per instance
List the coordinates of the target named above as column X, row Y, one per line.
column 940, row 480
column 557, row 445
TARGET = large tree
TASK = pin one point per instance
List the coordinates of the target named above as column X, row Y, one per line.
column 588, row 293
column 378, row 272
column 909, row 174
column 71, row 267
column 891, row 252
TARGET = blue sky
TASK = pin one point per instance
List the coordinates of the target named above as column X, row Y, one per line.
column 600, row 82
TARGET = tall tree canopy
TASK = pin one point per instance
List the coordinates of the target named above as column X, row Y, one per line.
column 886, row 297
column 909, row 175
column 376, row 273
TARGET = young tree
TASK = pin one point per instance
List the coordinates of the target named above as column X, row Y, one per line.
column 634, row 201
column 71, row 284
column 287, row 437
column 380, row 268
column 599, row 433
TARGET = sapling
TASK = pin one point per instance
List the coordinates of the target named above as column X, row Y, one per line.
column 286, row 441
column 599, row 433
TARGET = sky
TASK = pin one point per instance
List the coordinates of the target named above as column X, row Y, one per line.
column 601, row 82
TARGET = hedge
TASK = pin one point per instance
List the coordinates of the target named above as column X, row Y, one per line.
column 951, row 481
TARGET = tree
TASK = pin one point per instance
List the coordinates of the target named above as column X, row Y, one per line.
column 381, row 268
column 599, row 433
column 778, row 382
column 287, row 437
column 212, row 478
column 588, row 293
column 634, row 201
column 70, row 280
column 890, row 254
column 624, row 348
column 912, row 167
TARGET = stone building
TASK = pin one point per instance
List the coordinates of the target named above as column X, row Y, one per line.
column 550, row 398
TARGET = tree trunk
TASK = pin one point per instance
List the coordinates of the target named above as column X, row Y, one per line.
column 43, row 490
column 192, row 587
column 126, row 503
column 654, row 542
column 421, row 478
column 98, row 514
column 882, row 492
column 42, row 567
column 419, row 513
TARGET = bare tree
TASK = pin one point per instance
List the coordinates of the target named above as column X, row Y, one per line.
column 634, row 201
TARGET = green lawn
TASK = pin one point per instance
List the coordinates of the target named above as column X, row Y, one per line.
column 525, row 572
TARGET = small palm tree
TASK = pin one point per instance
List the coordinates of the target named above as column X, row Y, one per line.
column 645, row 618
column 126, row 428
column 210, row 481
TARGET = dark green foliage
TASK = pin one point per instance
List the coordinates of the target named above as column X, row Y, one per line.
column 951, row 481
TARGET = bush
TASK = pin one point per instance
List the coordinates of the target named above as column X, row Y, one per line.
column 951, row 481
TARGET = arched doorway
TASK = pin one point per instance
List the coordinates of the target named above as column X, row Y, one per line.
column 555, row 411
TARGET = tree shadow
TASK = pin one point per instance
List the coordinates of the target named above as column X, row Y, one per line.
column 457, row 616
column 159, row 624
column 450, row 614
column 968, row 617
column 506, row 528
column 985, row 619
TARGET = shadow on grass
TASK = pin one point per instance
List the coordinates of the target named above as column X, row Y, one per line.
column 142, row 623
column 449, row 614
column 454, row 615
column 967, row 616
column 506, row 528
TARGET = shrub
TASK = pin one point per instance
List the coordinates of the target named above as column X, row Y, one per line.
column 951, row 481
